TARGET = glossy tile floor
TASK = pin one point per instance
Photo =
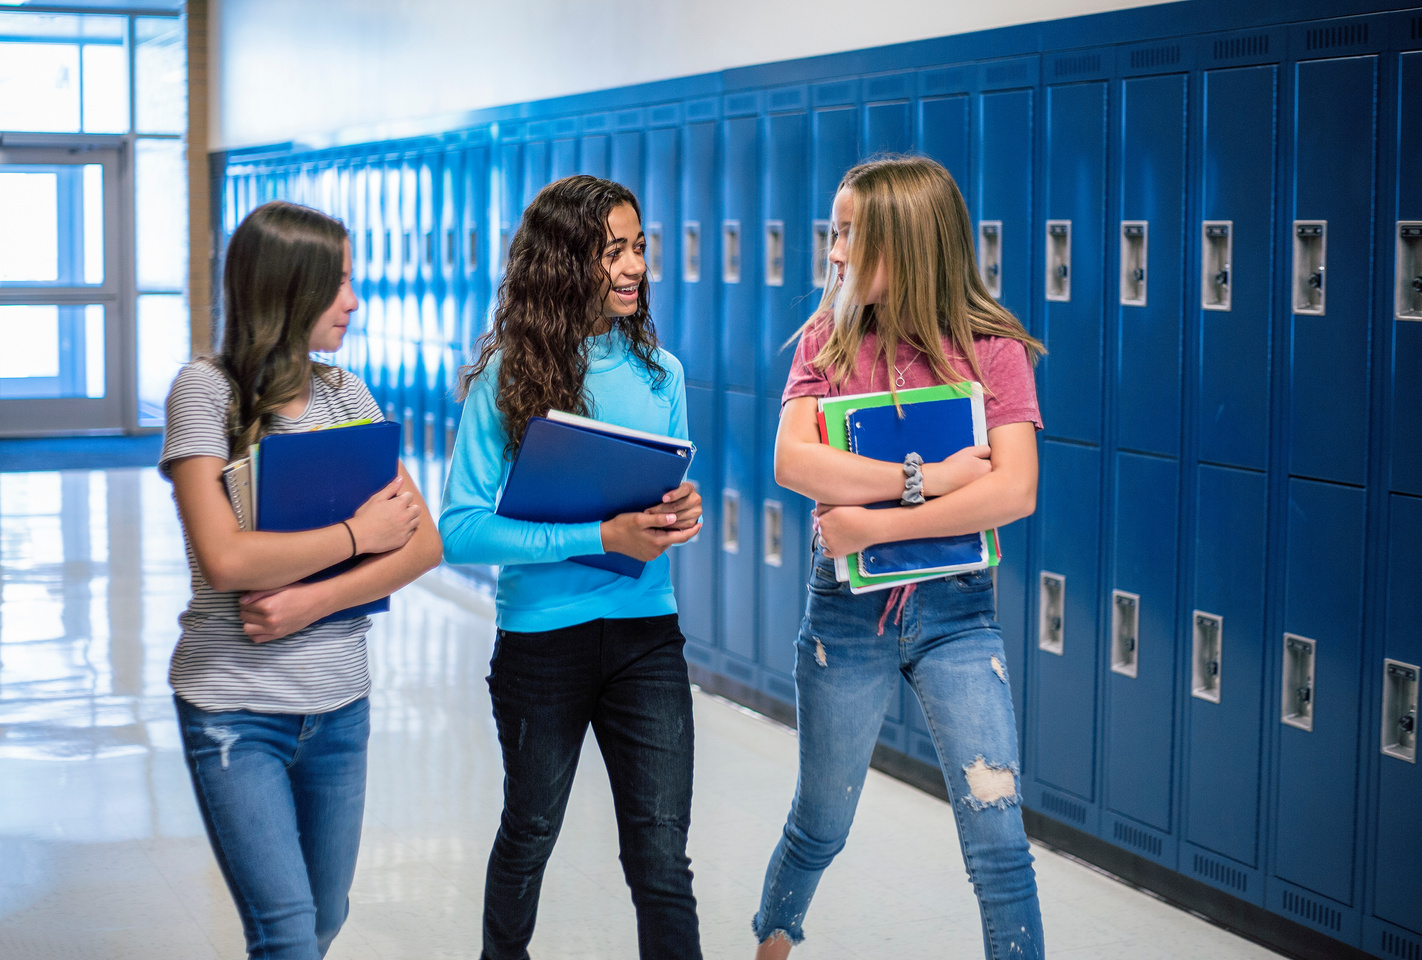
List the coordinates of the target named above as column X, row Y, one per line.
column 102, row 854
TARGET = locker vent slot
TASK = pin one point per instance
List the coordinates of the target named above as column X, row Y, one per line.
column 819, row 253
column 654, row 252
column 1344, row 35
column 1155, row 57
column 1063, row 808
column 745, row 103
column 701, row 110
column 1221, row 873
column 1313, row 911
column 1401, row 947
column 1399, row 714
column 884, row 88
column 1236, row 47
column 1135, row 837
column 1017, row 70
column 787, row 99
column 1072, row 66
column 1207, row 656
column 1296, row 698
column 664, row 114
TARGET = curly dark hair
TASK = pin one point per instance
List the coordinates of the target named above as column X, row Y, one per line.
column 551, row 301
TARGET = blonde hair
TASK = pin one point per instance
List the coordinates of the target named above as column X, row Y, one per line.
column 910, row 219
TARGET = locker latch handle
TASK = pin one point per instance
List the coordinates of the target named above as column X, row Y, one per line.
column 1408, row 721
column 1138, row 274
column 1417, row 283
column 993, row 270
column 1214, row 668
column 1304, row 693
column 1222, row 278
column 1062, row 270
column 1315, row 279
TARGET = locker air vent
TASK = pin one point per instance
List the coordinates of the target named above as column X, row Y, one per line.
column 1314, row 912
column 628, row 119
column 1072, row 66
column 1236, row 47
column 1400, row 947
column 1062, row 808
column 1155, row 57
column 661, row 115
column 1135, row 837
column 1221, row 873
column 1015, row 70
column 791, row 99
column 1343, row 35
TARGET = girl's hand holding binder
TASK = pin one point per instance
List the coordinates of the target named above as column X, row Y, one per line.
column 387, row 520
column 645, row 536
column 959, row 470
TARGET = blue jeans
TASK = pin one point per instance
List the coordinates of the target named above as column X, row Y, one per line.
column 282, row 796
column 627, row 679
column 947, row 644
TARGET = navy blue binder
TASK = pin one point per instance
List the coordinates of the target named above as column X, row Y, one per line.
column 575, row 470
column 934, row 429
column 310, row 480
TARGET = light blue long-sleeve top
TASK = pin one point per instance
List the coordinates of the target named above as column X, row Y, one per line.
column 539, row 588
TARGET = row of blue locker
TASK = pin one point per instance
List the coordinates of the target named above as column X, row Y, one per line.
column 1211, row 618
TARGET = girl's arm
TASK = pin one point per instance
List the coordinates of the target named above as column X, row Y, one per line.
column 234, row 559
column 269, row 614
column 824, row 474
column 1007, row 493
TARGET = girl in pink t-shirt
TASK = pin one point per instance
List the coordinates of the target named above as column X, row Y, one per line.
column 906, row 308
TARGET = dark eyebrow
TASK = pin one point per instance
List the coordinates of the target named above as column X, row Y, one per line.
column 614, row 241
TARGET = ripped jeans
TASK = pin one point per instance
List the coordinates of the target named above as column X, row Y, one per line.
column 282, row 797
column 946, row 643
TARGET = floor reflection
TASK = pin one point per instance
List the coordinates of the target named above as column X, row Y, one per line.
column 102, row 853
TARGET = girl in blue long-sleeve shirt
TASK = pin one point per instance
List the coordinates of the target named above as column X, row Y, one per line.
column 578, row 645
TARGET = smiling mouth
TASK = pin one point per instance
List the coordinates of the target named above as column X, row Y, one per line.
column 626, row 292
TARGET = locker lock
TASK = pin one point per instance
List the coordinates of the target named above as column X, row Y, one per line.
column 1062, row 270
column 1417, row 283
column 1315, row 279
column 1138, row 274
column 1213, row 667
column 1408, row 721
column 1222, row 278
column 1304, row 693
column 993, row 270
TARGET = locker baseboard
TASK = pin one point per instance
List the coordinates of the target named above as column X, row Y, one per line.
column 1238, row 916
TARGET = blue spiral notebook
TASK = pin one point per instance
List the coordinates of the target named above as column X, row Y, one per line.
column 934, row 429
column 571, row 469
column 309, row 480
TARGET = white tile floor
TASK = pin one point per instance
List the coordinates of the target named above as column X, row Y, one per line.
column 102, row 854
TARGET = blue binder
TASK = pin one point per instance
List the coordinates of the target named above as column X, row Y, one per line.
column 310, row 480
column 934, row 429
column 573, row 470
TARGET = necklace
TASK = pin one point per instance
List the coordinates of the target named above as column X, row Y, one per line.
column 899, row 380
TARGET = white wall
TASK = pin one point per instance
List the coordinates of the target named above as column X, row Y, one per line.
column 304, row 69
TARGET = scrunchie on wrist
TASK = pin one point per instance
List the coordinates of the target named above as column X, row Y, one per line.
column 913, row 481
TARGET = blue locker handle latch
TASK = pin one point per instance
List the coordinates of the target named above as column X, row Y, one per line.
column 1315, row 279
column 1407, row 721
column 1138, row 275
column 1417, row 283
column 1062, row 270
column 1305, row 693
column 1214, row 668
column 993, row 270
column 1222, row 278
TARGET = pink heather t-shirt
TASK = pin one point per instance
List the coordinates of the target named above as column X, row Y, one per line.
column 1009, row 392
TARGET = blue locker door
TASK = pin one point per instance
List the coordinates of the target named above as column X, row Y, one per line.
column 660, row 205
column 627, row 161
column 1222, row 780
column 836, row 148
column 1334, row 144
column 1316, row 811
column 1002, row 190
column 786, row 239
column 784, row 563
column 535, row 169
column 1235, row 321
column 1406, row 386
column 1150, row 309
column 739, row 265
column 1064, row 720
column 739, row 526
column 696, row 590
column 888, row 128
column 1397, row 854
column 943, row 135
column 702, row 226
column 564, row 160
column 1140, row 676
column 1075, row 170
column 594, row 156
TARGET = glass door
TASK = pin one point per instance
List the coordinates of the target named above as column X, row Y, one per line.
column 62, row 328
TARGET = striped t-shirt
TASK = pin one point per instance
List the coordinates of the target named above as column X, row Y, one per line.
column 215, row 666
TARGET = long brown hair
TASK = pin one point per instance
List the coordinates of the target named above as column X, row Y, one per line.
column 550, row 302
column 910, row 217
column 284, row 267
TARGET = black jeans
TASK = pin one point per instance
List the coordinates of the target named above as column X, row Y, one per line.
column 628, row 679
